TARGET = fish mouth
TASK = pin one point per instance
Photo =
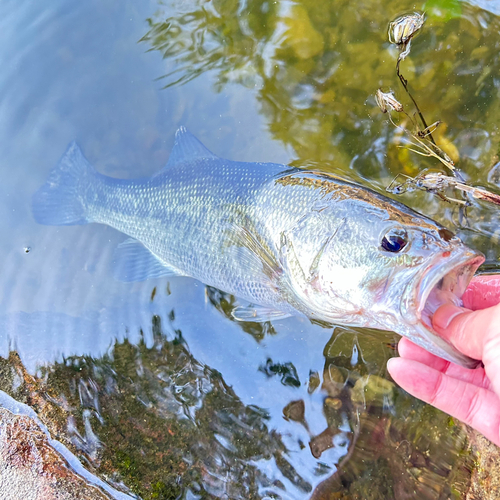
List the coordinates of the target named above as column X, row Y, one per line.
column 445, row 285
column 443, row 282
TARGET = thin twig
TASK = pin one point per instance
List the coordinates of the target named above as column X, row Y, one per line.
column 404, row 82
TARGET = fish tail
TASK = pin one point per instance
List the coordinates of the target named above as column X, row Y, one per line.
column 61, row 201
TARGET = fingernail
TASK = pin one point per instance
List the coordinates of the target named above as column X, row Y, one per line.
column 391, row 363
column 445, row 315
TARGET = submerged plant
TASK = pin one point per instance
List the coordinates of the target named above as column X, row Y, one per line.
column 387, row 102
column 401, row 32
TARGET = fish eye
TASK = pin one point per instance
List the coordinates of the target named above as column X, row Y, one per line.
column 394, row 240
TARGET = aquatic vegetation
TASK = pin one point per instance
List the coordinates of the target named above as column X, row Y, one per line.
column 403, row 29
column 437, row 182
column 421, row 141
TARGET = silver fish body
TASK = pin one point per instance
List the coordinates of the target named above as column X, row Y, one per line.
column 287, row 240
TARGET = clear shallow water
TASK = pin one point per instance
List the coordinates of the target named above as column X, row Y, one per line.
column 162, row 394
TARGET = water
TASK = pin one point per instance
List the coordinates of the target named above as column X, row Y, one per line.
column 151, row 385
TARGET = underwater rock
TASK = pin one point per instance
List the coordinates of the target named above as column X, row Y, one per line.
column 32, row 469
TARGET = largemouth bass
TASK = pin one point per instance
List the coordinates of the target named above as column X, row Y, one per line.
column 289, row 241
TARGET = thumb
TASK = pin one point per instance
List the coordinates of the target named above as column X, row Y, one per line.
column 469, row 331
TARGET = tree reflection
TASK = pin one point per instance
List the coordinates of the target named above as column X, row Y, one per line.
column 310, row 77
column 315, row 67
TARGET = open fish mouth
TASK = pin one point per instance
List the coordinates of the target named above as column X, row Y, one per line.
column 443, row 282
column 445, row 285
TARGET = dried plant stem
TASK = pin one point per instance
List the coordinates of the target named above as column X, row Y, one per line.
column 437, row 183
column 404, row 82
column 428, row 148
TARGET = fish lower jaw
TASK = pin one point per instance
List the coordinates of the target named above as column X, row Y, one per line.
column 430, row 341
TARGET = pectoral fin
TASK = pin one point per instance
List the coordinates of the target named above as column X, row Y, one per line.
column 313, row 270
column 134, row 262
column 257, row 314
column 253, row 252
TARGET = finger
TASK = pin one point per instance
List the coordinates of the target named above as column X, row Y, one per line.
column 475, row 333
column 491, row 360
column 467, row 330
column 478, row 407
column 483, row 291
column 411, row 351
column 408, row 350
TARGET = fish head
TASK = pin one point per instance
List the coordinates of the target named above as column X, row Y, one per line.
column 376, row 263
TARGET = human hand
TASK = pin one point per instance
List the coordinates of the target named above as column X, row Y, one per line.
column 472, row 396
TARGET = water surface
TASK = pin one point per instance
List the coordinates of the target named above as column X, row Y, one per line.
column 152, row 385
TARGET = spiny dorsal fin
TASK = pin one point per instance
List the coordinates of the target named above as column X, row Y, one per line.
column 187, row 148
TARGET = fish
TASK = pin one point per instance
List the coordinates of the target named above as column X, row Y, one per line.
column 288, row 241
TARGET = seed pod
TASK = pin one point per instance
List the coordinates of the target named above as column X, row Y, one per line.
column 402, row 30
column 387, row 102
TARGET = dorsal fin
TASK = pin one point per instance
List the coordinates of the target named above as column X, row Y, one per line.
column 187, row 148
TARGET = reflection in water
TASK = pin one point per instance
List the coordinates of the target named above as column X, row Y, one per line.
column 226, row 303
column 316, row 64
column 294, row 54
column 153, row 420
column 168, row 423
